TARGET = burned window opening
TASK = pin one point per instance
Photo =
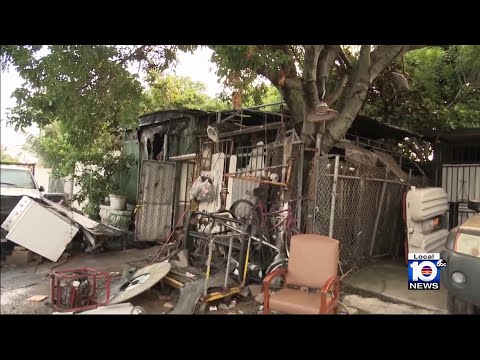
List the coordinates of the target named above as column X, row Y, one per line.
column 158, row 142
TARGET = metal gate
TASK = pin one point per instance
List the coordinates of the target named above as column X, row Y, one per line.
column 461, row 183
column 155, row 200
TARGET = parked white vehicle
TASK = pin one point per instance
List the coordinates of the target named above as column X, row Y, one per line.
column 16, row 182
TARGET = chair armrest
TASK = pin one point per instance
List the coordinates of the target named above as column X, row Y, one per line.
column 334, row 282
column 266, row 287
column 274, row 274
column 329, row 283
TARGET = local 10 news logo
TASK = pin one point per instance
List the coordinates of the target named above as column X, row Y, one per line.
column 424, row 271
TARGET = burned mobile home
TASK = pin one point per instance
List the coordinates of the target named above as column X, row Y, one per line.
column 239, row 162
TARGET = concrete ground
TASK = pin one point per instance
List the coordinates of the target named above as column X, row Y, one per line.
column 388, row 281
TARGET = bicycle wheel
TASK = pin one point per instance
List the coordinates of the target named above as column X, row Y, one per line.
column 288, row 236
column 246, row 212
column 276, row 265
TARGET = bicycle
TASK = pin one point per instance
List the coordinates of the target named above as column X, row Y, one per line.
column 265, row 225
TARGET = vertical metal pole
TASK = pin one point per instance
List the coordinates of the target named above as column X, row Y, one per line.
column 377, row 218
column 229, row 258
column 209, row 261
column 334, row 195
column 246, row 261
column 299, row 188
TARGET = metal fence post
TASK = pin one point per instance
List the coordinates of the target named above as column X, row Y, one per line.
column 377, row 218
column 334, row 195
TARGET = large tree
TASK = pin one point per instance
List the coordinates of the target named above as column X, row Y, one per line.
column 296, row 70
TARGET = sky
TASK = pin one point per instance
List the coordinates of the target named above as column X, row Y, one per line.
column 197, row 66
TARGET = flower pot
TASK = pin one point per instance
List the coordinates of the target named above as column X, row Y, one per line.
column 117, row 202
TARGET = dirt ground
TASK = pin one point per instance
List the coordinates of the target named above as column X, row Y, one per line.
column 18, row 284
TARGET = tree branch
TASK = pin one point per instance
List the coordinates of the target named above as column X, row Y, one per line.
column 385, row 54
column 352, row 100
column 312, row 53
column 326, row 61
column 345, row 59
column 297, row 58
column 331, row 98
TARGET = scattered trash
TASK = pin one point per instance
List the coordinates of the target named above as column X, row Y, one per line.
column 352, row 311
column 182, row 261
column 190, row 275
column 212, row 308
column 140, row 281
column 168, row 305
column 240, row 311
column 37, row 298
column 117, row 309
column 259, row 298
column 223, row 306
column 59, row 227
column 260, row 308
column 65, row 255
column 245, row 292
column 232, row 304
column 255, row 289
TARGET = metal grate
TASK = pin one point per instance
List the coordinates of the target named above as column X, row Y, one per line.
column 366, row 217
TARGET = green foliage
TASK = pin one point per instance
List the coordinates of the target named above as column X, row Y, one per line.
column 444, row 90
column 177, row 92
column 240, row 65
column 79, row 96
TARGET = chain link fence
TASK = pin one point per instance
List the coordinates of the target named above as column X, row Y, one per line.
column 359, row 205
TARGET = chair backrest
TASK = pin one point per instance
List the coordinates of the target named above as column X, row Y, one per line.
column 313, row 260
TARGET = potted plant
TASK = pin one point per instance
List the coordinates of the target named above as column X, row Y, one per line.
column 117, row 188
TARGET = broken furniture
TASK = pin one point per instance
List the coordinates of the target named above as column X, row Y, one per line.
column 54, row 226
column 77, row 290
column 227, row 290
column 312, row 265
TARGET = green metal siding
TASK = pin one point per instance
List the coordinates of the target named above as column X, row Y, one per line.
column 132, row 147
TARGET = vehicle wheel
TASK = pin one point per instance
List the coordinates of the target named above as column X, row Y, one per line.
column 455, row 305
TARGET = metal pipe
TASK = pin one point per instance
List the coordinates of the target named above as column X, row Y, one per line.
column 229, row 257
column 300, row 187
column 334, row 196
column 359, row 178
column 377, row 218
column 209, row 262
column 265, row 105
column 246, row 262
column 183, row 157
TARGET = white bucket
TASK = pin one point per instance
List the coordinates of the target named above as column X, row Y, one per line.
column 117, row 202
